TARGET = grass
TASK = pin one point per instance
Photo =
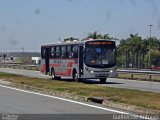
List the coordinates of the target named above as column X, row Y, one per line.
column 132, row 97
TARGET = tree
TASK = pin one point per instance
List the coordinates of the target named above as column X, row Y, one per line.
column 95, row 35
column 155, row 58
column 70, row 39
column 134, row 51
column 131, row 50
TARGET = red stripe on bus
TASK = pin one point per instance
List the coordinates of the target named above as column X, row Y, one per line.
column 43, row 68
column 55, row 65
column 68, row 72
column 59, row 65
column 61, row 73
column 70, row 64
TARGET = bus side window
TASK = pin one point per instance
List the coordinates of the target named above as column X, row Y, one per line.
column 52, row 52
column 63, row 51
column 75, row 52
column 69, row 52
column 58, row 52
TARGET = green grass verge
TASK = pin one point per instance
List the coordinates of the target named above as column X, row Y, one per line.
column 132, row 97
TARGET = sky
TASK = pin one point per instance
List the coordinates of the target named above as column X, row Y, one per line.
column 28, row 24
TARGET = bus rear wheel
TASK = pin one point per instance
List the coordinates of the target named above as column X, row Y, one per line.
column 75, row 76
column 103, row 80
column 53, row 74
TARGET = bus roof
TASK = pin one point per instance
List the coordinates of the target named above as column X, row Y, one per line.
column 74, row 42
column 65, row 43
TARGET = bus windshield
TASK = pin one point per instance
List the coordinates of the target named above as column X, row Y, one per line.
column 100, row 56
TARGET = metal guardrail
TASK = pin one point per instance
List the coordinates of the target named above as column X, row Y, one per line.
column 138, row 71
column 132, row 72
column 149, row 74
column 21, row 66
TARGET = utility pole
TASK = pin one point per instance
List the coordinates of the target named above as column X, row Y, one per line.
column 149, row 57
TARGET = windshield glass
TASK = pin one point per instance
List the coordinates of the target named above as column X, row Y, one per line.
column 100, row 56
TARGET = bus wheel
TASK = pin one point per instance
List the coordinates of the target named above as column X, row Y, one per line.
column 53, row 74
column 103, row 80
column 75, row 76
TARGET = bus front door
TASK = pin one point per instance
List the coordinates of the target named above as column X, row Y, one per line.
column 80, row 61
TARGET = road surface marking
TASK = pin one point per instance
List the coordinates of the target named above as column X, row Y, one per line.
column 72, row 101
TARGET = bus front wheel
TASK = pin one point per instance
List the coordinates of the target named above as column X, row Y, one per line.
column 75, row 76
column 103, row 80
column 53, row 74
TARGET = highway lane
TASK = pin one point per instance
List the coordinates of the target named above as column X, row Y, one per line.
column 136, row 85
column 31, row 105
column 129, row 84
column 111, row 82
column 20, row 102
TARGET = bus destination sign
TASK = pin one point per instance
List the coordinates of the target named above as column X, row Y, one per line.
column 100, row 43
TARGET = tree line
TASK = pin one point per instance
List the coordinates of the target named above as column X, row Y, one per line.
column 134, row 51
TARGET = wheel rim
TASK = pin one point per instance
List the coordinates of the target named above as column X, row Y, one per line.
column 53, row 74
column 75, row 77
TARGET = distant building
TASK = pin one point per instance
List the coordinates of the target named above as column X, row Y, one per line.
column 10, row 57
column 36, row 60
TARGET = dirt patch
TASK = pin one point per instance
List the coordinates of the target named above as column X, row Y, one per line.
column 4, row 82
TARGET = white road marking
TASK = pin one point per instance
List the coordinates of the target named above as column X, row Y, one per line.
column 72, row 101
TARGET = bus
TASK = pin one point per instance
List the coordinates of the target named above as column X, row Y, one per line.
column 89, row 59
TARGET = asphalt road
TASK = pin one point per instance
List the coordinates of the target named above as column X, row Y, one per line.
column 130, row 84
column 111, row 82
column 29, row 105
column 13, row 101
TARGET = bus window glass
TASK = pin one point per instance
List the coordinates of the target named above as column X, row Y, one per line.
column 75, row 52
column 63, row 51
column 58, row 52
column 100, row 55
column 68, row 48
column 70, row 51
column 52, row 52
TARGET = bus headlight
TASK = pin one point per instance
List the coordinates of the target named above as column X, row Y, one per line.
column 92, row 72
column 111, row 71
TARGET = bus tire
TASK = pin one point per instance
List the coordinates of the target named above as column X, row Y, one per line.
column 103, row 80
column 75, row 76
column 53, row 74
